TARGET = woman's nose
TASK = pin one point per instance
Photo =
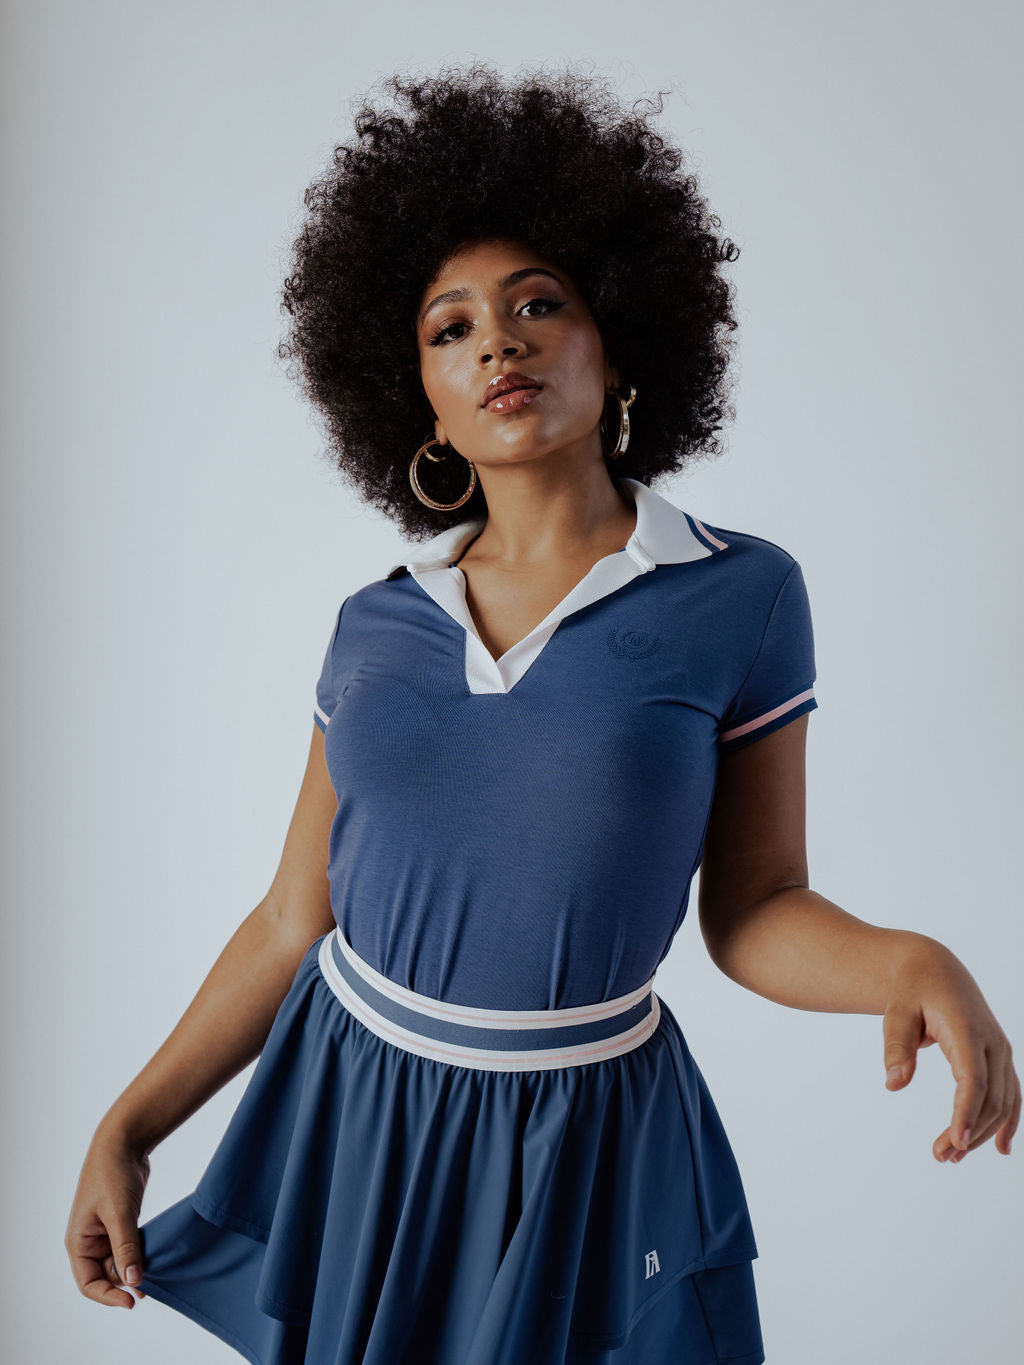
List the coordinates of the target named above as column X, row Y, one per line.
column 488, row 352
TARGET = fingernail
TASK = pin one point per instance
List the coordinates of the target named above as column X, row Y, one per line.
column 131, row 1275
column 967, row 1136
column 895, row 1073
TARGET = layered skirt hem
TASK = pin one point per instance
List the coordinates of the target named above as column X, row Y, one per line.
column 371, row 1206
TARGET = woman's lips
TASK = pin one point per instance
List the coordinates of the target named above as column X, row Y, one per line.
column 512, row 401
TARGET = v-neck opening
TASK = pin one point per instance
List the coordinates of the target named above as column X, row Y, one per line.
column 663, row 534
column 446, row 585
column 551, row 616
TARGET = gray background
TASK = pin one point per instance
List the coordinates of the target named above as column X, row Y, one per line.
column 174, row 551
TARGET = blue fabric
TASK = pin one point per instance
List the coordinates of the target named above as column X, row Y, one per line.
column 458, row 1034
column 520, row 850
column 370, row 1207
column 782, row 668
column 566, row 817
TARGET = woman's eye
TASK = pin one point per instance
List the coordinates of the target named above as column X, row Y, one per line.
column 548, row 303
column 439, row 337
column 436, row 339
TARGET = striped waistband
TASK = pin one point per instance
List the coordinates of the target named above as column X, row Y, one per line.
column 486, row 1039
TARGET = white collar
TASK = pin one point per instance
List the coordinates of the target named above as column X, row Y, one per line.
column 664, row 534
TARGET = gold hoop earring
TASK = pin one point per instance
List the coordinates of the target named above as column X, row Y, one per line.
column 418, row 489
column 624, row 405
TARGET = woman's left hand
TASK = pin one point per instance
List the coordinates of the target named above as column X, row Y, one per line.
column 934, row 999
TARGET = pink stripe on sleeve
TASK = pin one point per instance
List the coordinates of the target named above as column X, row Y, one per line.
column 758, row 721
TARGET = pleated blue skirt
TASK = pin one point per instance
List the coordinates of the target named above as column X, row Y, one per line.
column 410, row 1182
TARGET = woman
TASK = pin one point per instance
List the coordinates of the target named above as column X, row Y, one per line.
column 475, row 1135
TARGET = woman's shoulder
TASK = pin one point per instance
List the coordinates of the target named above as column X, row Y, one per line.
column 751, row 564
column 747, row 545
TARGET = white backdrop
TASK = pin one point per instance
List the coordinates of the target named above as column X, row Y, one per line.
column 174, row 550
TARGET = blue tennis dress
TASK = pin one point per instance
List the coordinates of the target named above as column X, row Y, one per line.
column 476, row 1134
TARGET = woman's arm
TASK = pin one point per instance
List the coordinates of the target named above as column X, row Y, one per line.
column 762, row 926
column 224, row 1028
column 228, row 1021
column 768, row 931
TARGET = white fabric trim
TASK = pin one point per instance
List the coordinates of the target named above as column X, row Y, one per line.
column 479, row 1058
column 662, row 535
column 477, row 1016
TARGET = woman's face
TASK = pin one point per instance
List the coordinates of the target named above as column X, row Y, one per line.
column 497, row 307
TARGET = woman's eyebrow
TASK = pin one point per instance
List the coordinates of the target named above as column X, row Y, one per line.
column 506, row 282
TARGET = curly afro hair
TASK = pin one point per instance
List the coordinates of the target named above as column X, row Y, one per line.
column 602, row 196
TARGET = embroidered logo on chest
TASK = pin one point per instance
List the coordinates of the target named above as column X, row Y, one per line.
column 632, row 644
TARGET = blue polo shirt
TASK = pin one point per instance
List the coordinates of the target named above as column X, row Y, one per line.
column 522, row 833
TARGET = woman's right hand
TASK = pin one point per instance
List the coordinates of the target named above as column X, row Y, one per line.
column 102, row 1237
column 224, row 1029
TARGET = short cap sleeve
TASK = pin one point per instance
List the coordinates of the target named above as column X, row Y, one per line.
column 325, row 697
column 779, row 685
